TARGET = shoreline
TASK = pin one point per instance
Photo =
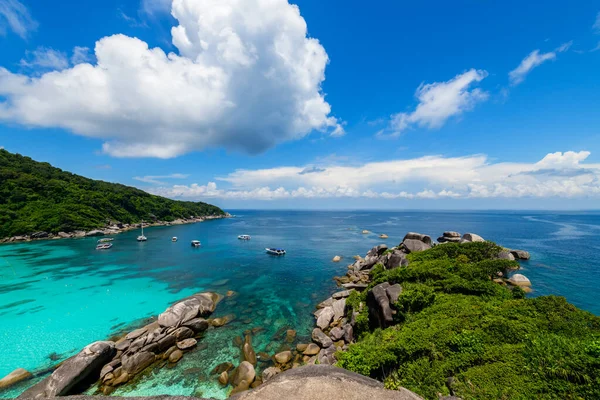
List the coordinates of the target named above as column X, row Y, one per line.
column 113, row 229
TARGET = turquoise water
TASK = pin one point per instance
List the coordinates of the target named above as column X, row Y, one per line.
column 57, row 296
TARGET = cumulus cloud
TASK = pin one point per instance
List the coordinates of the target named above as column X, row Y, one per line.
column 440, row 101
column 533, row 60
column 15, row 16
column 81, row 55
column 560, row 174
column 157, row 179
column 247, row 77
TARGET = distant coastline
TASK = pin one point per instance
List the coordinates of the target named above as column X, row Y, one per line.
column 113, row 229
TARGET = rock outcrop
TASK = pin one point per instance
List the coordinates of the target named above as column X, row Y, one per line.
column 380, row 301
column 520, row 254
column 14, row 377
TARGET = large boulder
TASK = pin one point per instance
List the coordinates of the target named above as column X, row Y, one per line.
column 325, row 317
column 39, row 235
column 380, row 300
column 95, row 232
column 244, row 372
column 320, row 338
column 418, row 236
column 249, row 353
column 396, row 259
column 88, row 362
column 519, row 280
column 136, row 363
column 377, row 250
column 197, row 324
column 16, row 376
column 339, row 307
column 283, row 358
column 472, row 237
column 413, row 245
column 180, row 312
column 520, row 254
column 270, row 373
column 327, row 356
column 505, row 255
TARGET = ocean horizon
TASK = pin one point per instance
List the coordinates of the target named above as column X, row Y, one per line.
column 57, row 296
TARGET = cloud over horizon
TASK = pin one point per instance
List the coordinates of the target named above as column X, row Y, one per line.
column 560, row 174
column 247, row 77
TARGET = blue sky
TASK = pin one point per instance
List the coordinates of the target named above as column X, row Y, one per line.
column 263, row 104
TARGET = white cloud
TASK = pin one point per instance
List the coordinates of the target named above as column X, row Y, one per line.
column 596, row 26
column 247, row 77
column 81, row 55
column 156, row 179
column 533, row 60
column 47, row 58
column 15, row 16
column 440, row 101
column 155, row 6
column 432, row 177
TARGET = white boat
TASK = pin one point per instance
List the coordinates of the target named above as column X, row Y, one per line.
column 104, row 246
column 142, row 238
column 244, row 237
column 275, row 252
column 174, row 239
column 104, row 240
column 196, row 243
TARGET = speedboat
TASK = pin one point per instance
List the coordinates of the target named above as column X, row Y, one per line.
column 196, row 243
column 174, row 239
column 244, row 237
column 275, row 252
column 104, row 246
column 105, row 240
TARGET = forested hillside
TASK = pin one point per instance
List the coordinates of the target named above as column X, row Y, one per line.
column 35, row 196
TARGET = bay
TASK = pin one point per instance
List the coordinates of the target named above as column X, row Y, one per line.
column 57, row 296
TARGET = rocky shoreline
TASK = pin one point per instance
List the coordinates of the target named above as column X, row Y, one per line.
column 111, row 229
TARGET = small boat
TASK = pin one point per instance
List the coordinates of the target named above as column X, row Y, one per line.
column 275, row 252
column 142, row 238
column 244, row 237
column 105, row 240
column 104, row 246
column 196, row 243
column 174, row 239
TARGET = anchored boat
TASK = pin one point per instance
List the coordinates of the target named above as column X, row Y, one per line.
column 174, row 239
column 104, row 246
column 142, row 238
column 105, row 240
column 275, row 252
column 196, row 243
column 244, row 237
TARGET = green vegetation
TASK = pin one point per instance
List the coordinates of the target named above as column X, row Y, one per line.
column 457, row 329
column 35, row 196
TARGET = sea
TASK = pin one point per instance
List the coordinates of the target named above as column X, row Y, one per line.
column 57, row 296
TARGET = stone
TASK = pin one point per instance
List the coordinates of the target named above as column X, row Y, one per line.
column 321, row 338
column 224, row 378
column 413, row 245
column 270, row 373
column 325, row 317
column 166, row 342
column 378, row 301
column 337, row 259
column 182, row 333
column 249, row 354
column 197, row 324
column 222, row 321
column 365, row 232
column 472, row 237
column 136, row 363
column 95, row 232
column 175, row 356
column 341, row 295
column 312, row 350
column 122, row 344
column 348, row 333
column 377, row 250
column 16, row 376
column 64, row 235
column 169, row 352
column 87, row 362
column 257, row 382
column 326, row 356
column 136, row 334
column 336, row 334
column 339, row 308
column 300, row 347
column 39, row 235
column 396, row 259
column 357, row 286
column 124, row 377
column 226, row 366
column 383, row 236
column 290, row 333
column 418, row 236
column 451, row 234
column 243, row 386
column 186, row 344
column 244, row 372
column 519, row 280
column 393, row 292
column 283, row 358
column 520, row 254
column 180, row 312
column 325, row 303
column 505, row 255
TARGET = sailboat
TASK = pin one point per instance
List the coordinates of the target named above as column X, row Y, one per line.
column 142, row 238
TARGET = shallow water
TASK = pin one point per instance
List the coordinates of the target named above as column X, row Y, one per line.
column 58, row 296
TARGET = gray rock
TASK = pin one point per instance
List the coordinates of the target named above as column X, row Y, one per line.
column 348, row 333
column 505, row 255
column 379, row 305
column 519, row 280
column 186, row 344
column 320, row 338
column 136, row 363
column 472, row 237
column 327, row 356
column 167, row 342
column 377, row 250
column 183, row 333
column 520, row 254
column 136, row 334
column 336, row 334
column 95, row 232
column 451, row 234
column 341, row 295
column 413, row 245
column 179, row 313
column 418, row 236
column 339, row 307
column 393, row 292
column 87, row 362
column 64, row 235
column 357, row 286
column 197, row 324
column 396, row 259
column 325, row 303
column 270, row 373
column 325, row 317
column 39, row 235
column 311, row 350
